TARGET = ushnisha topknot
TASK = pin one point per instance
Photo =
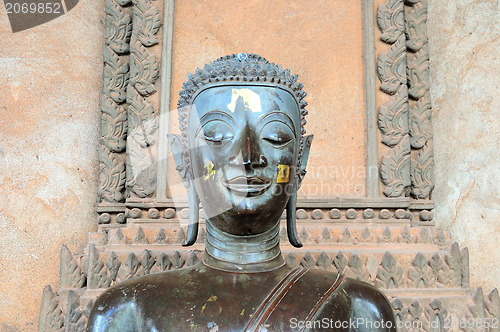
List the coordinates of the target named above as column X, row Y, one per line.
column 237, row 68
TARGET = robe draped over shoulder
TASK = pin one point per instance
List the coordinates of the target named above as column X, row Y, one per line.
column 204, row 299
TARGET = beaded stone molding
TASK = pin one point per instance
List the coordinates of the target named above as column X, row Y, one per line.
column 420, row 216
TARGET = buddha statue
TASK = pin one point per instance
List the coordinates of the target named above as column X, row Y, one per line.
column 242, row 154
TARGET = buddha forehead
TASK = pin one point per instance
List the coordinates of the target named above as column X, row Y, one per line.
column 248, row 102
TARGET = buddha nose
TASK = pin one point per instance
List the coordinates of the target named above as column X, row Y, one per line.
column 250, row 155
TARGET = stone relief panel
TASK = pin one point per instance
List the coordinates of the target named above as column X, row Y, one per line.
column 130, row 105
column 142, row 100
column 114, row 102
column 393, row 115
column 405, row 120
column 422, row 155
column 127, row 151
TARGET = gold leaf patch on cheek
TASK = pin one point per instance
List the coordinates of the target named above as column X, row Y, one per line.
column 208, row 170
column 283, row 173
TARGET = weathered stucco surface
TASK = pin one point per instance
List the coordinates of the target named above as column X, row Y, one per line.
column 49, row 124
column 465, row 84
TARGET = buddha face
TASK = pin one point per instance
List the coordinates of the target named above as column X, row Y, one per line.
column 244, row 143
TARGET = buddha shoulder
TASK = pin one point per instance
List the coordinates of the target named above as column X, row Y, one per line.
column 362, row 307
column 120, row 308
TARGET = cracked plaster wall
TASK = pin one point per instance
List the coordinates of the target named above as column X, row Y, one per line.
column 464, row 45
column 51, row 81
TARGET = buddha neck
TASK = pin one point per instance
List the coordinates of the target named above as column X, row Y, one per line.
column 243, row 254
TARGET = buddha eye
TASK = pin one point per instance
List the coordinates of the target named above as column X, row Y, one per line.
column 277, row 133
column 216, row 133
column 277, row 140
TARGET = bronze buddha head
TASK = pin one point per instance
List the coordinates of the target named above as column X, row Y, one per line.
column 242, row 152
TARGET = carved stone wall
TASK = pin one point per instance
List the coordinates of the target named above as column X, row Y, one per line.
column 393, row 115
column 142, row 99
column 405, row 120
column 114, row 124
column 404, row 124
column 420, row 107
column 130, row 101
column 49, row 138
column 425, row 275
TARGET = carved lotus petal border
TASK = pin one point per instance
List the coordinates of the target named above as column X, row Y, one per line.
column 111, row 175
column 113, row 125
column 403, row 71
column 118, row 28
column 422, row 161
column 144, row 71
column 438, row 270
column 391, row 66
column 395, row 169
column 51, row 315
column 390, row 19
column 111, row 152
column 142, row 116
column 422, row 172
column 116, row 76
column 393, row 118
column 416, row 26
column 442, row 269
column 421, row 122
column 146, row 22
column 76, row 313
column 393, row 115
column 418, row 73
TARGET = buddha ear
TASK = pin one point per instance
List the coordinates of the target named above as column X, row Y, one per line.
column 194, row 214
column 194, row 201
column 305, row 143
column 291, row 206
column 291, row 218
column 176, row 147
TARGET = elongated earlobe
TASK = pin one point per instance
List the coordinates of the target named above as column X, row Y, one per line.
column 187, row 179
column 194, row 214
column 291, row 207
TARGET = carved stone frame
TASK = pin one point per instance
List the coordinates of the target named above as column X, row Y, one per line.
column 133, row 150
